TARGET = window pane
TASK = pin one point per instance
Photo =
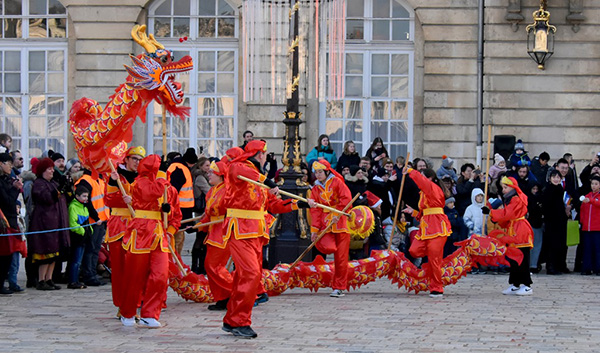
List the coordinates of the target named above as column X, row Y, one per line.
column 56, row 60
column 181, row 8
column 12, row 61
column 207, row 8
column 37, row 105
column 180, row 128
column 379, row 111
column 204, row 128
column 398, row 11
column 400, row 64
column 57, row 27
column 225, row 61
column 56, row 83
column 226, row 27
column 379, row 87
column 381, row 64
column 354, row 86
column 397, row 151
column 56, row 126
column 12, row 106
column 399, row 87
column 379, row 129
column 356, row 8
column 400, row 30
column 37, row 126
column 206, row 83
column 37, row 83
column 399, row 131
column 13, row 83
column 37, row 61
column 381, row 30
column 55, row 105
column 381, row 8
column 399, row 111
column 164, row 9
column 36, row 147
column 13, row 127
column 226, row 106
column 225, row 83
column 224, row 128
column 225, row 9
column 206, row 106
column 354, row 130
column 206, row 27
column 333, row 109
column 157, row 125
column 206, row 61
column 354, row 29
column 37, row 28
column 181, row 27
column 354, row 63
column 179, row 145
column 354, row 110
column 162, row 27
column 13, row 8
column 37, row 7
column 333, row 128
column 12, row 28
column 222, row 147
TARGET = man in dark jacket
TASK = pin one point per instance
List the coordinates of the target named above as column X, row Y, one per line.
column 9, row 191
column 539, row 168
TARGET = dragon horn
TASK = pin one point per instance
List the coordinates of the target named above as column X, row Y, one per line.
column 138, row 33
column 155, row 42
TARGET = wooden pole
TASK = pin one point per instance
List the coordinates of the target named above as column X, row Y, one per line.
column 349, row 205
column 192, row 219
column 487, row 168
column 399, row 201
column 294, row 196
column 121, row 188
column 164, row 132
column 200, row 225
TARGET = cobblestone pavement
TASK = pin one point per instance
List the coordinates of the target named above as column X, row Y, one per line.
column 563, row 315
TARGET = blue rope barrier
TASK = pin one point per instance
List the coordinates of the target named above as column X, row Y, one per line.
column 47, row 231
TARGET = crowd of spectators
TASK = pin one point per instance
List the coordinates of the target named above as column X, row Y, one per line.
column 60, row 204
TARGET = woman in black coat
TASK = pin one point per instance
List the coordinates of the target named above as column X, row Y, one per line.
column 50, row 212
column 555, row 217
column 349, row 157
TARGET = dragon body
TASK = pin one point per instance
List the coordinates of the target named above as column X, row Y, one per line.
column 101, row 134
column 484, row 250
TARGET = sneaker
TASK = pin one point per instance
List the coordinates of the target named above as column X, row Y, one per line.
column 52, row 285
column 15, row 288
column 43, row 285
column 149, row 322
column 4, row 290
column 512, row 290
column 337, row 293
column 227, row 327
column 262, row 298
column 244, row 332
column 524, row 290
column 436, row 294
column 220, row 305
column 128, row 322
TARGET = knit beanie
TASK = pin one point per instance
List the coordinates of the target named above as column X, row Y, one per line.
column 450, row 199
column 519, row 145
column 190, row 156
column 498, row 158
column 447, row 162
column 71, row 162
column 56, row 156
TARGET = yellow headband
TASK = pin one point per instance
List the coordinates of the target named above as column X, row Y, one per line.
column 506, row 181
column 214, row 167
column 139, row 150
column 318, row 166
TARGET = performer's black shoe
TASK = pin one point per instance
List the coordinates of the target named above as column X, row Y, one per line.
column 227, row 327
column 219, row 305
column 244, row 332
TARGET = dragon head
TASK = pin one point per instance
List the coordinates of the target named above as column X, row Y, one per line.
column 156, row 69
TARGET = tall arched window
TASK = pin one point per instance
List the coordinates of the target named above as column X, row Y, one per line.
column 211, row 89
column 378, row 78
column 33, row 79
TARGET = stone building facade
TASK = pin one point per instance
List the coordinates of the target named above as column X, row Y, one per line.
column 556, row 110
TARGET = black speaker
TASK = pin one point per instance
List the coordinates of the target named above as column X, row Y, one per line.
column 504, row 145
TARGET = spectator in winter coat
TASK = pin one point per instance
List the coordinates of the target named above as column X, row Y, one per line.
column 447, row 168
column 459, row 230
column 592, row 168
column 349, row 157
column 539, row 168
column 324, row 151
column 377, row 152
column 519, row 157
column 590, row 228
column 535, row 217
column 473, row 216
column 469, row 179
column 556, row 215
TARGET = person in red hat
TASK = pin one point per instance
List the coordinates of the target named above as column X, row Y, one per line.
column 434, row 226
column 330, row 190
column 511, row 218
column 120, row 217
column 244, row 206
column 147, row 251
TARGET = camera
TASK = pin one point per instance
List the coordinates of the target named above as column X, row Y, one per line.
column 200, row 149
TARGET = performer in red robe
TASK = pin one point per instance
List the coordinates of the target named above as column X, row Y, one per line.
column 331, row 190
column 434, row 226
column 511, row 218
column 146, row 259
column 244, row 205
column 120, row 217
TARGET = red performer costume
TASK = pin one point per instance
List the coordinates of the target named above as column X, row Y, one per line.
column 331, row 190
column 119, row 218
column 512, row 220
column 146, row 259
column 246, row 231
column 434, row 227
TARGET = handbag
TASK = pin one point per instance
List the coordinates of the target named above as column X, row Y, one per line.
column 200, row 203
column 572, row 233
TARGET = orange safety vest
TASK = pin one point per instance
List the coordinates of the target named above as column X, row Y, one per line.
column 186, row 194
column 97, row 196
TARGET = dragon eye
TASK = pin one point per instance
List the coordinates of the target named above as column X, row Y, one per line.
column 164, row 59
